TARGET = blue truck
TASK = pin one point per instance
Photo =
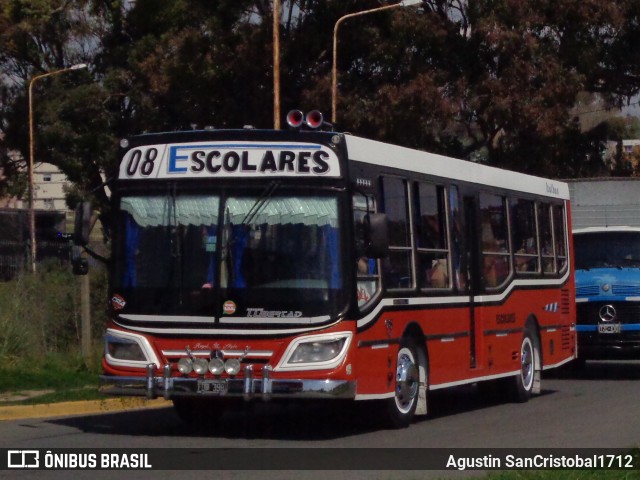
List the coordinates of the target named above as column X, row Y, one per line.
column 606, row 236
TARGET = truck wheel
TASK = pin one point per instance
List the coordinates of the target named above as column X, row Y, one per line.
column 401, row 408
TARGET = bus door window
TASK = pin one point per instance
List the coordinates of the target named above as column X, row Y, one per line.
column 525, row 237
column 367, row 272
column 397, row 268
column 431, row 237
column 494, row 238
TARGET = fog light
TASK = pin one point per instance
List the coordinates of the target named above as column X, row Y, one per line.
column 200, row 366
column 216, row 366
column 185, row 366
column 232, row 366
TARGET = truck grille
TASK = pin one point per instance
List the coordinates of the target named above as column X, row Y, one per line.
column 626, row 312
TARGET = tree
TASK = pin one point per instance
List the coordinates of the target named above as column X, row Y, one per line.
column 495, row 81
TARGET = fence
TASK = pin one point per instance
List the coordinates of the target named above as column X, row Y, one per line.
column 15, row 239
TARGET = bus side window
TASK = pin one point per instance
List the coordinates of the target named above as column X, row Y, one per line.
column 546, row 238
column 524, row 236
column 494, row 238
column 431, row 238
column 367, row 275
column 559, row 230
column 397, row 268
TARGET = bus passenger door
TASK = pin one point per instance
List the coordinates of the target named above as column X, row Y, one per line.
column 466, row 255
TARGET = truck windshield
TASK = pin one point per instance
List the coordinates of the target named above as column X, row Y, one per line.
column 242, row 256
column 607, row 250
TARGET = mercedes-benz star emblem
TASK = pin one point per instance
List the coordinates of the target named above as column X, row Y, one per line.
column 607, row 313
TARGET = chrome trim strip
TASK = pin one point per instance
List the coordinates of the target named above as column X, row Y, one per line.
column 272, row 320
column 168, row 318
column 226, row 353
column 248, row 388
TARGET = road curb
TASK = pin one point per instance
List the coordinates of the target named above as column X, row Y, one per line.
column 107, row 405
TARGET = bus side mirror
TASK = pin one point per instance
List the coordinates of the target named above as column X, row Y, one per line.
column 82, row 225
column 79, row 265
column 377, row 235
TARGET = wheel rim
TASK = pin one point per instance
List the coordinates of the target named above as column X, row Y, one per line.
column 527, row 363
column 406, row 381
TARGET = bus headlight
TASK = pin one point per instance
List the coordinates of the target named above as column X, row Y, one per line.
column 128, row 350
column 121, row 348
column 316, row 352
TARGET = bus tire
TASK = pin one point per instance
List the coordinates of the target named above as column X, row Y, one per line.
column 401, row 409
column 523, row 383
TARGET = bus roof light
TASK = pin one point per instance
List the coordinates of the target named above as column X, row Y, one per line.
column 295, row 118
column 314, row 119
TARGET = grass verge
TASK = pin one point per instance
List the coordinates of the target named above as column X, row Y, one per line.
column 54, row 378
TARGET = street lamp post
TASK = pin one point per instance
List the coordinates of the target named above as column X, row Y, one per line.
column 334, row 69
column 276, row 64
column 32, row 214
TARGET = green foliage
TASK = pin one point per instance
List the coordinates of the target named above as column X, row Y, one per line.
column 40, row 315
column 496, row 81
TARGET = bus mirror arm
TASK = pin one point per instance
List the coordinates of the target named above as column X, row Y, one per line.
column 82, row 224
column 81, row 231
column 377, row 235
column 79, row 265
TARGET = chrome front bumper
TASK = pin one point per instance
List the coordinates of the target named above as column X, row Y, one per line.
column 249, row 387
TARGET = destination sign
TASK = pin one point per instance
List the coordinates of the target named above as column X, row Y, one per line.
column 229, row 159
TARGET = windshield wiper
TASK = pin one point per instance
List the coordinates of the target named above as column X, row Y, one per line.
column 261, row 202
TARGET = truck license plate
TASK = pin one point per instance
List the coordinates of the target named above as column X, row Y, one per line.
column 609, row 328
column 212, row 387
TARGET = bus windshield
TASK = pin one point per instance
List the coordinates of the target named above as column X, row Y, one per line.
column 607, row 250
column 233, row 255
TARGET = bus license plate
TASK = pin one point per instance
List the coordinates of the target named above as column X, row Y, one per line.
column 212, row 387
column 609, row 328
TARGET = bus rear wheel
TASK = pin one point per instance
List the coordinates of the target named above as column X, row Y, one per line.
column 402, row 407
column 523, row 383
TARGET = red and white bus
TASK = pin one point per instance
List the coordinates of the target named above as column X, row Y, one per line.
column 263, row 264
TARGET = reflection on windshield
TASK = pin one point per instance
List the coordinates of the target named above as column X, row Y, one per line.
column 289, row 242
column 607, row 250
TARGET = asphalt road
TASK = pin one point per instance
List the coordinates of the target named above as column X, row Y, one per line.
column 595, row 409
